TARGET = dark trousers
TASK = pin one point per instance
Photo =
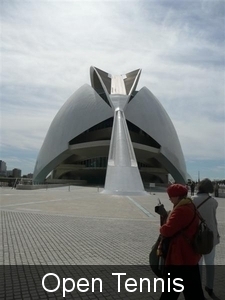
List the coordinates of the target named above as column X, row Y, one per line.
column 191, row 282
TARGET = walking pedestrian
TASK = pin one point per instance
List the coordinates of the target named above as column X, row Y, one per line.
column 216, row 189
column 208, row 213
column 192, row 188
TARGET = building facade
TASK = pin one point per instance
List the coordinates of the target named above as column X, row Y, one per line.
column 3, row 168
column 16, row 173
column 109, row 133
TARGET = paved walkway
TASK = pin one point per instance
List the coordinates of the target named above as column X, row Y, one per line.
column 80, row 226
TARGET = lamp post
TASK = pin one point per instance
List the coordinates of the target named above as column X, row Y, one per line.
column 198, row 176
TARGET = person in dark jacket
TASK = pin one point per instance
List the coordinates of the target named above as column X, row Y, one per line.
column 181, row 260
column 216, row 189
column 208, row 213
column 192, row 188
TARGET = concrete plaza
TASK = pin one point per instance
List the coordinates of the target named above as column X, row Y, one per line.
column 80, row 226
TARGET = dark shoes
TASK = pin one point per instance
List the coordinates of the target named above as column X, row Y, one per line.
column 209, row 291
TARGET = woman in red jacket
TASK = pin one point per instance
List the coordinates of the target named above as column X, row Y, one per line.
column 181, row 260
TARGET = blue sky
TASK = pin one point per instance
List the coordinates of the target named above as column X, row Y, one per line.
column 47, row 48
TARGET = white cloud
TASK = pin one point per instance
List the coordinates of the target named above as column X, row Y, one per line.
column 201, row 139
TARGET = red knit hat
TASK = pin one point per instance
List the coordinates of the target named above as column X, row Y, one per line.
column 177, row 190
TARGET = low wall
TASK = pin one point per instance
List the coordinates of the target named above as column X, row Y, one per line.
column 37, row 186
column 155, row 188
column 47, row 186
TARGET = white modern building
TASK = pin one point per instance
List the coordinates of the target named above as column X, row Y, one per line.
column 109, row 133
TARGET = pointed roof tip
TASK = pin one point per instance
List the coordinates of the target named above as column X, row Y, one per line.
column 109, row 82
column 97, row 69
column 134, row 71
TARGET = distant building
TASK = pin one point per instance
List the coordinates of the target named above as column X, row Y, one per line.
column 110, row 133
column 30, row 175
column 9, row 173
column 16, row 173
column 3, row 168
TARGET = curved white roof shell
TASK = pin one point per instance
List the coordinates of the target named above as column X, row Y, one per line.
column 84, row 109
column 146, row 112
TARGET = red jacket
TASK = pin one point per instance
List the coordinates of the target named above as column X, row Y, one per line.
column 180, row 250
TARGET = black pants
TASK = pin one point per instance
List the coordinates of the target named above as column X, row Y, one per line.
column 191, row 283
